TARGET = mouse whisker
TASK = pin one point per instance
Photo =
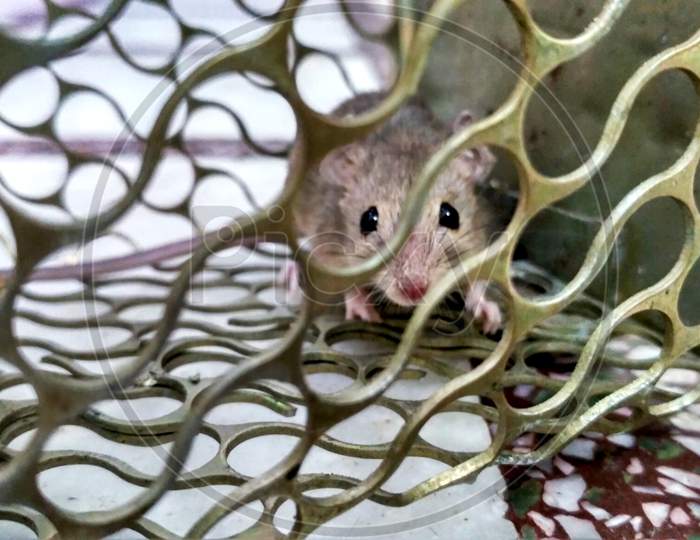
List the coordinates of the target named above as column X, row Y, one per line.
column 464, row 238
column 472, row 231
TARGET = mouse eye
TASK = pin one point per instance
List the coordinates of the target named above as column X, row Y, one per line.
column 449, row 217
column 369, row 220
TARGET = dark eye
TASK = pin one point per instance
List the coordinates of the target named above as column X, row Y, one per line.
column 369, row 220
column 449, row 217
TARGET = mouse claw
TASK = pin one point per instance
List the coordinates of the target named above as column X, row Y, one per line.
column 484, row 310
column 489, row 313
column 359, row 306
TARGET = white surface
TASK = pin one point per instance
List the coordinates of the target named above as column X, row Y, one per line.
column 579, row 529
column 564, row 493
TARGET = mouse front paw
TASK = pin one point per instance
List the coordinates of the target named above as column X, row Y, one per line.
column 489, row 313
column 486, row 311
column 359, row 306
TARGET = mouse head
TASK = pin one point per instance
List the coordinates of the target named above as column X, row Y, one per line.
column 375, row 176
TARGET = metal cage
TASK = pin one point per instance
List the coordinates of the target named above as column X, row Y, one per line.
column 271, row 349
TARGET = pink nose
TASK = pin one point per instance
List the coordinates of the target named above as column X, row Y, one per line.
column 414, row 290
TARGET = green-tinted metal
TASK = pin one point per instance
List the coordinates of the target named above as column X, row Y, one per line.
column 277, row 345
column 565, row 120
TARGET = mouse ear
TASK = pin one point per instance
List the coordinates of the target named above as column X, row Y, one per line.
column 341, row 166
column 464, row 118
column 476, row 163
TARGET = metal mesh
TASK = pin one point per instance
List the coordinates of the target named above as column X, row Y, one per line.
column 141, row 325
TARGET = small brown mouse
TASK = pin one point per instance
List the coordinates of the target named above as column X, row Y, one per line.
column 350, row 205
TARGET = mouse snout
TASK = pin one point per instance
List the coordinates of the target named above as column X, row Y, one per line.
column 414, row 290
column 408, row 276
column 410, row 283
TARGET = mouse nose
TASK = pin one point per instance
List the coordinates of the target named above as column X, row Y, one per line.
column 414, row 290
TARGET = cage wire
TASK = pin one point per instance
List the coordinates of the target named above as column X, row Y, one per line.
column 100, row 315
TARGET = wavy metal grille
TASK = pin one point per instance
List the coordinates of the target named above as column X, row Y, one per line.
column 272, row 350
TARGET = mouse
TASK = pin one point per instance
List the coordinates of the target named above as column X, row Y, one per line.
column 350, row 204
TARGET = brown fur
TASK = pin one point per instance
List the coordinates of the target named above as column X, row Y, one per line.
column 379, row 171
